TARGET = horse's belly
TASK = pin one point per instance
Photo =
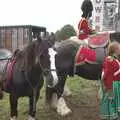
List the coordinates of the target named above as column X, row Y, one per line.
column 89, row 71
column 20, row 90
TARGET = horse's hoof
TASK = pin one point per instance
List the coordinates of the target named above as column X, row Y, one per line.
column 67, row 91
column 67, row 94
column 13, row 118
column 62, row 108
column 31, row 118
column 65, row 112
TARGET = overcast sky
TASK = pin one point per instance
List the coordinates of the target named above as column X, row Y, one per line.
column 52, row 14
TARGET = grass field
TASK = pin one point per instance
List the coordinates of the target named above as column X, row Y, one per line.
column 82, row 102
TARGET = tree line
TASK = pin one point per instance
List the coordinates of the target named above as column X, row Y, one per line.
column 65, row 32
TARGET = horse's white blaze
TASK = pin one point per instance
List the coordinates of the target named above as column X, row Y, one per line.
column 52, row 54
column 54, row 101
column 62, row 108
column 31, row 118
column 13, row 118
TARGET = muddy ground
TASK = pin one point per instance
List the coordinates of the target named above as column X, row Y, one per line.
column 83, row 103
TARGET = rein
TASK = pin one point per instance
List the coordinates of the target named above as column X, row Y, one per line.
column 48, row 70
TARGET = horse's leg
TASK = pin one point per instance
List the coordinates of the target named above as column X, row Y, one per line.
column 62, row 108
column 13, row 107
column 51, row 97
column 49, row 92
column 54, row 97
column 32, row 112
column 67, row 91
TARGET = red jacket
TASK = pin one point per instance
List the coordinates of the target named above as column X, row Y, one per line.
column 111, row 69
column 83, row 28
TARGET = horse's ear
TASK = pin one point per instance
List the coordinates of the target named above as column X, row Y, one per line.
column 52, row 39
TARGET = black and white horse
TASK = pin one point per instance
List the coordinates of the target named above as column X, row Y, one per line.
column 65, row 65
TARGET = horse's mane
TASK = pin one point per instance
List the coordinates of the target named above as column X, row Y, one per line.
column 26, row 57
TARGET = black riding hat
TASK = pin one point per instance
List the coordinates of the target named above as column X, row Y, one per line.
column 87, row 8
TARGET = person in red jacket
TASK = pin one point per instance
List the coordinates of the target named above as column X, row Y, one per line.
column 84, row 30
column 83, row 26
column 110, row 102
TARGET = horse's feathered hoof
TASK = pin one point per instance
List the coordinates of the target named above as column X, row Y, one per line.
column 13, row 118
column 62, row 108
column 67, row 91
column 31, row 118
